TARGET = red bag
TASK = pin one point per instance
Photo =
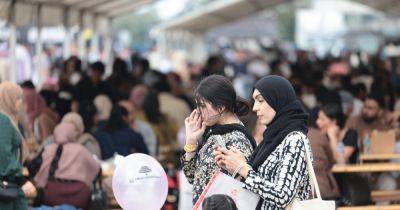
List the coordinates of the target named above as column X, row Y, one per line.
column 75, row 193
column 59, row 191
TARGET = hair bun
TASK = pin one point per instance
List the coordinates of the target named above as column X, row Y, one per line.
column 242, row 107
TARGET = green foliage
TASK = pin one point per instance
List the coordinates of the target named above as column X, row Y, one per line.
column 138, row 23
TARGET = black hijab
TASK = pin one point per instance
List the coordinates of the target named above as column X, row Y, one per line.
column 290, row 116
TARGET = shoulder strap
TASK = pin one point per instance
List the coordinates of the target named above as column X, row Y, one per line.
column 311, row 173
column 54, row 162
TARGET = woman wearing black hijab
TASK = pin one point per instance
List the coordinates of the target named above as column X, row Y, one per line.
column 277, row 170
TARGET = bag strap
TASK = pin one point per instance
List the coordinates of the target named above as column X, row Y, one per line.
column 311, row 173
column 54, row 163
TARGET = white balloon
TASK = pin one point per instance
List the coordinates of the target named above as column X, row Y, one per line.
column 140, row 183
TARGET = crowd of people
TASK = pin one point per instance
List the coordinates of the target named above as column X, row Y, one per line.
column 64, row 131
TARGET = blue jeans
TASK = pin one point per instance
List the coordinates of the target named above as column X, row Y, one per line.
column 60, row 207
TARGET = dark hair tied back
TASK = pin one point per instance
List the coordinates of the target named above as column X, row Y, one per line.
column 219, row 91
column 242, row 107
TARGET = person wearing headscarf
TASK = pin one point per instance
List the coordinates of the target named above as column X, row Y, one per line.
column 10, row 141
column 75, row 163
column 42, row 119
column 277, row 170
column 34, row 105
column 86, row 139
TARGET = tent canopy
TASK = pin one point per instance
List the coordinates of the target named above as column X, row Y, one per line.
column 217, row 13
column 221, row 12
column 390, row 7
column 85, row 13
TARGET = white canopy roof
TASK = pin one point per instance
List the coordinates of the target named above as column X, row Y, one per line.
column 218, row 13
column 87, row 13
column 390, row 7
column 223, row 11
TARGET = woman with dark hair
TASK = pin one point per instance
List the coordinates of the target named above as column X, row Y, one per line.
column 219, row 202
column 331, row 122
column 323, row 159
column 214, row 123
column 164, row 128
column 277, row 169
column 215, row 65
column 117, row 136
column 354, row 189
column 121, row 80
column 87, row 110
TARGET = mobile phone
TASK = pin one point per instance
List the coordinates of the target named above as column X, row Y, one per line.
column 220, row 142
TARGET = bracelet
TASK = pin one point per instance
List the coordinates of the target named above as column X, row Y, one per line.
column 238, row 169
column 190, row 147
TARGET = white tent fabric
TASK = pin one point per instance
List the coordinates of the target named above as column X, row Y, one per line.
column 389, row 7
column 86, row 14
column 186, row 33
column 217, row 13
column 67, row 12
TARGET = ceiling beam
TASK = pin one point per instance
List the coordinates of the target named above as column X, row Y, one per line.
column 129, row 8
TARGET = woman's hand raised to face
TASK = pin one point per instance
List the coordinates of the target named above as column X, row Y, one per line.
column 229, row 159
column 194, row 127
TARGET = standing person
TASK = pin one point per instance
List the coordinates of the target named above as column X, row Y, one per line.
column 278, row 169
column 11, row 99
column 120, row 80
column 214, row 123
column 92, row 85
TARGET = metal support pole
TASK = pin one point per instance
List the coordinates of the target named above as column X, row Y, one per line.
column 108, row 49
column 12, row 42
column 67, row 40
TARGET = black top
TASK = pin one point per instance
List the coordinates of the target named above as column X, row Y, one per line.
column 87, row 91
column 350, row 140
column 124, row 141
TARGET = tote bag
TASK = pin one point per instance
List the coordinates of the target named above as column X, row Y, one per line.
column 315, row 203
column 221, row 183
